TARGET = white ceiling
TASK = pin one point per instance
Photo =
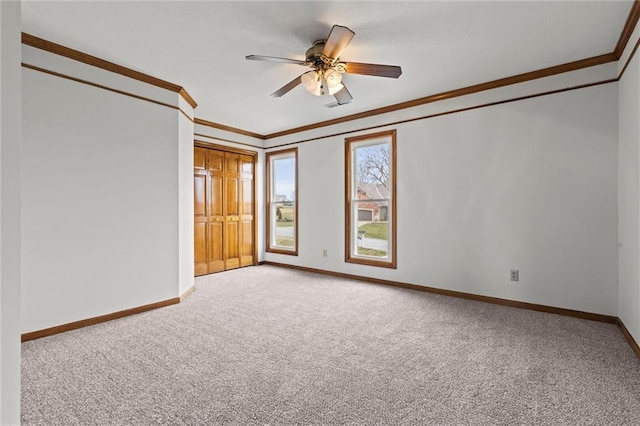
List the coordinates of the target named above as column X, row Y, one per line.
column 440, row 46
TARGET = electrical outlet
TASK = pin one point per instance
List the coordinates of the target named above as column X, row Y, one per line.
column 515, row 275
column 324, row 253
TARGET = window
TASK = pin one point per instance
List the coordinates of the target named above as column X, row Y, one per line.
column 282, row 202
column 370, row 169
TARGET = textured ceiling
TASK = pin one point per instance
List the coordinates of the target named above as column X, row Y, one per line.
column 439, row 45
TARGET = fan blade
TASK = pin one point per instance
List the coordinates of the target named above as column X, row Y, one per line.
column 284, row 89
column 338, row 39
column 391, row 71
column 343, row 96
column 275, row 59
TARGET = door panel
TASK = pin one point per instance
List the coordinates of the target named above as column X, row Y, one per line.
column 200, row 231
column 232, row 244
column 215, row 160
column 215, row 250
column 246, row 164
column 246, row 246
column 232, row 207
column 215, row 236
column 199, row 195
column 233, row 164
column 200, row 158
column 246, row 211
column 216, row 199
column 232, row 210
column 246, row 208
column 232, row 199
column 200, row 211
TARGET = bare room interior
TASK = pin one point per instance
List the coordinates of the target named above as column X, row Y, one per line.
column 315, row 212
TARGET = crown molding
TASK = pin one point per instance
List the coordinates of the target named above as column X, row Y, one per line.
column 76, row 55
column 520, row 78
column 228, row 128
column 187, row 97
column 627, row 30
column 447, row 112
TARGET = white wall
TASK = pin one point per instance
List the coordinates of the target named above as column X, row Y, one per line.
column 185, row 203
column 629, row 198
column 100, row 222
column 528, row 185
column 10, row 141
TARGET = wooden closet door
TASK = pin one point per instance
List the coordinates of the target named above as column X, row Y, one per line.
column 223, row 210
column 200, row 188
column 215, row 222
column 246, row 210
column 232, row 210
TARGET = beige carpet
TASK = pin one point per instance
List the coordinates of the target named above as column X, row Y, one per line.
column 265, row 345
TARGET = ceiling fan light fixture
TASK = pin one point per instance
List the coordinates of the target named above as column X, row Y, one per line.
column 333, row 81
column 312, row 82
column 333, row 77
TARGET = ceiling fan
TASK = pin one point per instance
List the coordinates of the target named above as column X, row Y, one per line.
column 327, row 69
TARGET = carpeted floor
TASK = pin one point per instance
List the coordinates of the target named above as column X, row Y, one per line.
column 265, row 345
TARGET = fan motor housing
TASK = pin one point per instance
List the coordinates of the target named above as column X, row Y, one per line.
column 314, row 53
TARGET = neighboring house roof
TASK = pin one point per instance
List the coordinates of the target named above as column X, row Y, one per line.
column 373, row 190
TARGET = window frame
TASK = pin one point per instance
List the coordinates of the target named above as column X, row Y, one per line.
column 269, row 158
column 351, row 207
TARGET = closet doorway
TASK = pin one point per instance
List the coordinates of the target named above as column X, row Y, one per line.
column 224, row 208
